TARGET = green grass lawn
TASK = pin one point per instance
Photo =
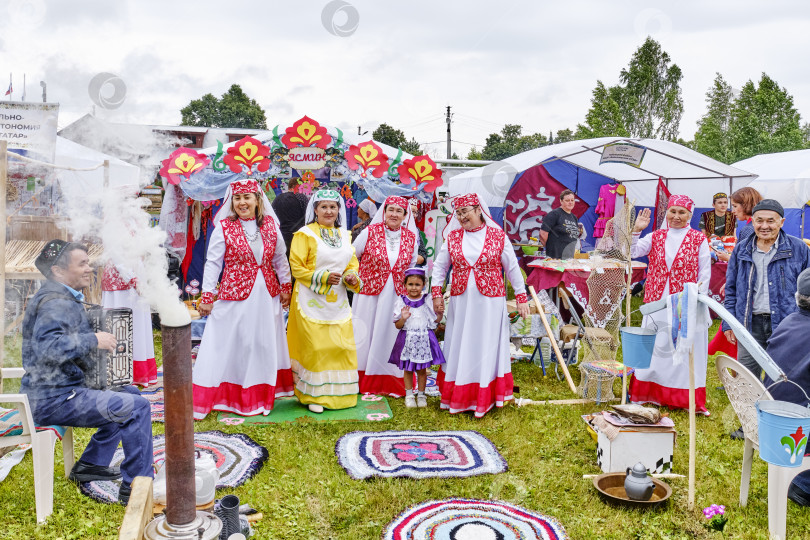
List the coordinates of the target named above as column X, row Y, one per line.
column 304, row 493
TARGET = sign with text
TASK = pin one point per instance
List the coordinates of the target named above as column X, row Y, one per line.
column 307, row 158
column 30, row 128
column 631, row 154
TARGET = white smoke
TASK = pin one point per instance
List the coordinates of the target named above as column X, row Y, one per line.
column 113, row 215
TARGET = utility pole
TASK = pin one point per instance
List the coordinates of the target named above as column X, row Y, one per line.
column 449, row 151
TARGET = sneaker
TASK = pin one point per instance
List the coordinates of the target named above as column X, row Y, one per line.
column 314, row 407
column 737, row 434
column 85, row 472
column 410, row 402
column 421, row 401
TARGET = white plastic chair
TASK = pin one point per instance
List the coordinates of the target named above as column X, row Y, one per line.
column 744, row 390
column 42, row 447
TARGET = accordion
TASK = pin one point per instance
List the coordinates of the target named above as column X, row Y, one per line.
column 106, row 370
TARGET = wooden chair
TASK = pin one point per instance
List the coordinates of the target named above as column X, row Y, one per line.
column 744, row 390
column 42, row 441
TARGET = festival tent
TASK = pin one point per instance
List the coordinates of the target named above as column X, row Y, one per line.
column 521, row 189
column 784, row 176
column 75, row 156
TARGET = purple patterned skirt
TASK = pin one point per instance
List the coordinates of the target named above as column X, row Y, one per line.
column 415, row 350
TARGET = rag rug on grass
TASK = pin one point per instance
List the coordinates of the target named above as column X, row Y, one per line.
column 155, row 399
column 369, row 408
column 418, row 454
column 462, row 519
column 238, row 458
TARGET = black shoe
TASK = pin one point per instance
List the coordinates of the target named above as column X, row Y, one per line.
column 123, row 494
column 798, row 495
column 84, row 472
column 738, row 434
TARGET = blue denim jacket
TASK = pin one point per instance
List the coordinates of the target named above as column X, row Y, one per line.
column 792, row 256
column 56, row 338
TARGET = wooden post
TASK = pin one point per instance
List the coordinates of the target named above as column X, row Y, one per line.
column 553, row 340
column 3, row 186
column 139, row 510
column 627, row 294
column 692, row 430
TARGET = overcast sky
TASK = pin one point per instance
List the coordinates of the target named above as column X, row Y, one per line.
column 527, row 62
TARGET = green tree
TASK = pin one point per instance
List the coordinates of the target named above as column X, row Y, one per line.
column 806, row 134
column 396, row 138
column 604, row 118
column 475, row 153
column 712, row 136
column 763, row 121
column 652, row 103
column 647, row 102
column 234, row 110
column 510, row 141
column 564, row 135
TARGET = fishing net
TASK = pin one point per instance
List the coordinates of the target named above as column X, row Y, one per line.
column 607, row 285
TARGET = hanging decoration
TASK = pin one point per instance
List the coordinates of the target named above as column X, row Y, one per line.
column 247, row 153
column 306, row 132
column 181, row 164
column 367, row 158
column 420, row 170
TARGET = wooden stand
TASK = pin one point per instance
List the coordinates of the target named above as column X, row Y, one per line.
column 139, row 510
column 560, row 358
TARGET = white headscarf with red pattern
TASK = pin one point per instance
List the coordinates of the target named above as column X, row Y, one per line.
column 468, row 199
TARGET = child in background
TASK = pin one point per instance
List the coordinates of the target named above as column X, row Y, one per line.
column 416, row 346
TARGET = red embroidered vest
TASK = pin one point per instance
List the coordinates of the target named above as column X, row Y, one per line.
column 374, row 265
column 487, row 269
column 240, row 264
column 111, row 280
column 684, row 268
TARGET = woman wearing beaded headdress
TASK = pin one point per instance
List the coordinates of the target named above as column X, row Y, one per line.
column 319, row 332
column 386, row 248
column 478, row 372
column 243, row 363
column 678, row 255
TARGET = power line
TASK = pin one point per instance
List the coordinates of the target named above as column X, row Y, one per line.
column 469, row 143
column 479, row 119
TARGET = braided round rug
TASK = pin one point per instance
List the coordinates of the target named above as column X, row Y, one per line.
column 238, row 458
column 155, row 399
column 418, row 454
column 470, row 519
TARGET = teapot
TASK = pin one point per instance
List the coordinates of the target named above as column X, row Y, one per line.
column 206, row 477
column 637, row 485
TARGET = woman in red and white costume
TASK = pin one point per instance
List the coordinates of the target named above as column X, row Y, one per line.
column 478, row 372
column 119, row 292
column 243, row 363
column 678, row 254
column 386, row 248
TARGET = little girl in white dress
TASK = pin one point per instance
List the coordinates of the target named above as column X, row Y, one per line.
column 416, row 347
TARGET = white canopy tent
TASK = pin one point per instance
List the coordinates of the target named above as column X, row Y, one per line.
column 683, row 170
column 75, row 156
column 575, row 165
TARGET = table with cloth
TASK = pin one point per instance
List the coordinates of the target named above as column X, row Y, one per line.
column 573, row 274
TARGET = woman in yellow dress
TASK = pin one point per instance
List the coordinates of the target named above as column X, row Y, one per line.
column 320, row 336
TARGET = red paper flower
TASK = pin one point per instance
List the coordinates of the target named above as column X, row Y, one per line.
column 420, row 170
column 306, row 132
column 181, row 164
column 247, row 153
column 368, row 157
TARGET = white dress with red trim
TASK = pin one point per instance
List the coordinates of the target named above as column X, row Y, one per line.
column 374, row 332
column 120, row 293
column 665, row 383
column 243, row 363
column 478, row 373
